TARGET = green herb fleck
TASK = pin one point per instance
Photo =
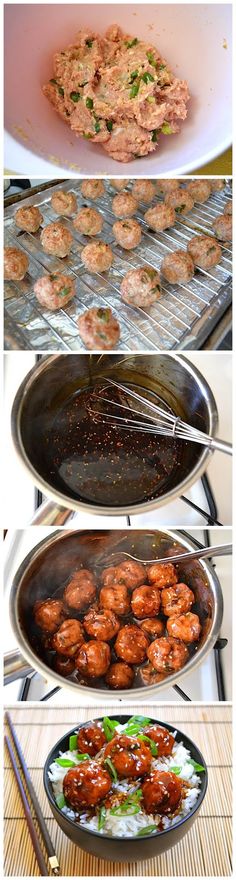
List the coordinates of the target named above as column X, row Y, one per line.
column 73, row 742
column 154, row 135
column 104, row 314
column 61, row 91
column 147, row 77
column 151, row 59
column 65, row 762
column 176, row 770
column 180, row 209
column 89, row 103
column 166, row 128
column 133, row 76
column 75, row 96
column 101, row 818
column 53, row 81
column 151, row 743
column 97, row 126
column 147, row 830
column 135, row 90
column 109, row 125
column 87, row 135
column 197, row 767
column 64, row 291
column 131, row 43
column 89, row 43
column 109, row 725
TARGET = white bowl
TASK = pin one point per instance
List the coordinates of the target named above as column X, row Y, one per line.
column 195, row 40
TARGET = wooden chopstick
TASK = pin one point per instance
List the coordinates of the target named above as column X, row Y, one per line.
column 35, row 840
column 52, row 858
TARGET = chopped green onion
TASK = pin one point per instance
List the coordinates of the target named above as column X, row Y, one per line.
column 132, row 43
column 150, row 99
column 109, row 125
column 75, row 96
column 197, row 767
column 176, row 770
column 147, row 830
column 104, row 314
column 73, row 742
column 133, row 75
column 61, row 91
column 111, row 768
column 151, row 59
column 87, row 134
column 154, row 135
column 109, row 724
column 89, row 43
column 60, row 800
column 82, row 756
column 65, row 762
column 89, row 103
column 180, row 208
column 97, row 126
column 53, row 81
column 125, row 810
column 147, row 77
column 64, row 292
column 101, row 818
column 139, row 719
column 166, row 128
column 151, row 743
column 161, row 66
column 135, row 90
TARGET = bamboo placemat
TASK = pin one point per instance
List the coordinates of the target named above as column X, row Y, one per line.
column 205, row 851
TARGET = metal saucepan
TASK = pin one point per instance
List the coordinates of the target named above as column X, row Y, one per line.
column 52, row 382
column 48, row 567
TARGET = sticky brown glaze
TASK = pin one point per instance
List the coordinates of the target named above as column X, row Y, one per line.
column 187, row 627
column 161, row 792
column 130, row 756
column 90, row 739
column 81, row 590
column 167, row 654
column 146, row 601
column 153, row 627
column 49, row 615
column 93, row 659
column 163, row 739
column 131, row 644
column 86, row 785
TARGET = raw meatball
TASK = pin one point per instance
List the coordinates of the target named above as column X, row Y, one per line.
column 162, row 574
column 118, row 183
column 160, row 217
column 86, row 785
column 167, row 186
column 162, row 792
column 177, row 267
column 28, row 219
column 92, row 189
column 68, row 638
column 124, row 205
column 186, row 627
column 228, row 208
column 180, row 200
column 64, row 665
column 223, row 227
column 153, row 627
column 167, row 654
column 130, row 757
column 120, row 676
column 162, row 737
column 49, row 615
column 64, row 203
column 129, row 573
column 131, row 644
column 146, row 601
column 217, row 185
column 115, row 598
column 93, row 659
column 55, row 291
column 144, row 190
column 200, row 190
column 90, row 739
column 175, row 600
column 97, row 256
column 127, row 233
column 99, row 329
column 102, row 625
column 56, row 240
column 88, row 221
column 141, row 287
column 205, row 251
column 81, row 590
column 15, row 264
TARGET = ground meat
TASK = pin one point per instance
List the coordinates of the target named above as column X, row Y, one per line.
column 116, row 598
column 228, row 208
column 162, row 574
column 129, row 141
column 124, row 205
column 127, row 233
column 217, row 185
column 167, row 654
column 92, row 189
column 176, row 599
column 177, row 267
column 49, row 615
column 88, row 221
column 167, row 186
column 160, row 217
column 144, row 190
column 81, row 590
column 130, row 757
column 180, row 200
column 64, row 203
column 28, row 219
column 223, row 227
column 153, row 627
column 186, row 627
column 162, row 737
column 129, row 573
column 161, row 792
column 120, row 676
column 131, row 644
column 55, row 291
column 68, row 638
column 90, row 739
column 141, row 287
column 15, row 264
column 56, row 239
column 119, row 183
column 97, row 256
column 205, row 251
column 93, row 659
column 86, row 785
column 145, row 601
column 102, row 625
column 200, row 190
column 99, row 329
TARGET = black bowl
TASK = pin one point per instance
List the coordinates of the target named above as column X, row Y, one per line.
column 125, row 849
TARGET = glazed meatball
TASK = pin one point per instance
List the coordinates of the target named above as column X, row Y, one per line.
column 130, row 757
column 141, row 287
column 167, row 654
column 64, row 203
column 145, row 601
column 93, row 659
column 228, row 208
column 144, row 190
column 49, row 615
column 99, row 329
column 118, row 183
column 102, row 625
column 200, row 190
column 120, row 676
column 86, row 785
column 115, row 598
column 56, row 240
column 205, row 251
column 160, row 217
column 131, row 644
column 97, row 256
column 68, row 638
column 81, row 590
column 223, row 227
column 162, row 574
column 153, row 627
column 177, row 267
column 124, row 205
column 127, row 233
column 186, row 627
column 176, row 600
column 28, row 219
column 88, row 221
column 167, row 186
column 92, row 189
column 55, row 291
column 180, row 200
column 162, row 792
column 131, row 574
column 15, row 264
column 64, row 665
column 163, row 739
column 217, row 185
column 90, row 740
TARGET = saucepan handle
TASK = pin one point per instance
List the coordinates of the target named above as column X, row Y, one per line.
column 15, row 666
column 51, row 514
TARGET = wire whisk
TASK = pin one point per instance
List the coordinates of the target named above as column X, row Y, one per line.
column 152, row 419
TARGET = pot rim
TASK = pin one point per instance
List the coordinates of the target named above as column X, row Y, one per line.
column 130, row 693
column 87, row 507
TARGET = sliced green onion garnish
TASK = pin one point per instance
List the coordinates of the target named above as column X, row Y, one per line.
column 176, row 770
column 101, row 818
column 89, row 103
column 111, row 768
column 125, row 810
column 82, row 756
column 147, row 77
column 109, row 725
column 135, row 89
column 64, row 292
column 197, row 767
column 133, row 75
column 65, row 762
column 60, row 801
column 180, row 208
column 147, row 830
column 151, row 743
column 53, row 81
column 97, row 126
column 73, row 743
column 151, row 59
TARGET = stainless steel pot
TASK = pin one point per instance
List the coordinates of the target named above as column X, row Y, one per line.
column 52, row 380
column 52, row 561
